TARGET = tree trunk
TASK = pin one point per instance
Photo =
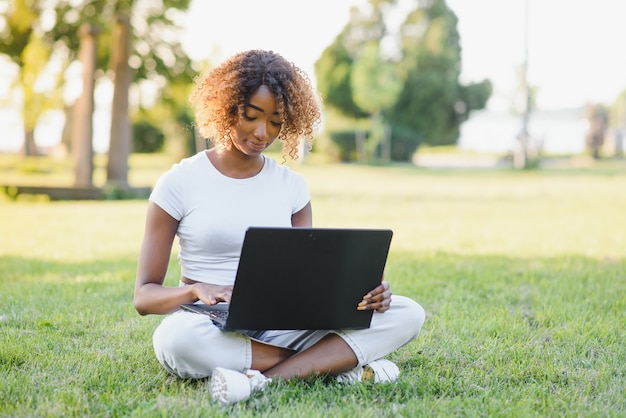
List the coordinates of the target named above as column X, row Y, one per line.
column 66, row 134
column 120, row 141
column 385, row 146
column 82, row 131
column 29, row 148
column 520, row 157
column 361, row 153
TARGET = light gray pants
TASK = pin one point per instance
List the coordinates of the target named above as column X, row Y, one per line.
column 190, row 346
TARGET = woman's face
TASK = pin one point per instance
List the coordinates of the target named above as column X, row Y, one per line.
column 259, row 125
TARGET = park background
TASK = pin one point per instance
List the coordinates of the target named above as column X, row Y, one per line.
column 521, row 270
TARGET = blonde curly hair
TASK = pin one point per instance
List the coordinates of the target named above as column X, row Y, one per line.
column 220, row 95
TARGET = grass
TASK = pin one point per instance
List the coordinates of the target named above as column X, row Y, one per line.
column 522, row 275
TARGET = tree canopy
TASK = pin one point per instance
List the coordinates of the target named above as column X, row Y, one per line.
column 156, row 26
column 53, row 28
column 410, row 76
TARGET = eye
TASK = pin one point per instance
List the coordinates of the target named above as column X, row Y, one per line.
column 250, row 118
column 277, row 124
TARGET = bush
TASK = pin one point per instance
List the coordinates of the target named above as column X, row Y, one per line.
column 404, row 143
column 147, row 138
column 346, row 143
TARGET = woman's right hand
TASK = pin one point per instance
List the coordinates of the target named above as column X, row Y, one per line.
column 212, row 293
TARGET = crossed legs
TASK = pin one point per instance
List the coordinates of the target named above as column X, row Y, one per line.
column 188, row 346
column 330, row 355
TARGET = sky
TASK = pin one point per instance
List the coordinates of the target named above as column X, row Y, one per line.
column 576, row 49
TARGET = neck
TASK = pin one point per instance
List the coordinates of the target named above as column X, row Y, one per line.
column 235, row 164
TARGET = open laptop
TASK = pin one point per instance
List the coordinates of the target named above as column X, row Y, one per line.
column 302, row 278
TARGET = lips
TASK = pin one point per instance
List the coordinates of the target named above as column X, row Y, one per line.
column 256, row 145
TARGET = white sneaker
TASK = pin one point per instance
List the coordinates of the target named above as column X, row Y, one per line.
column 229, row 386
column 378, row 371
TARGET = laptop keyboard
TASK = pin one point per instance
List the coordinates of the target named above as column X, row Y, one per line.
column 219, row 316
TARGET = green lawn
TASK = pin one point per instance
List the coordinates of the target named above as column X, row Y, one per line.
column 522, row 275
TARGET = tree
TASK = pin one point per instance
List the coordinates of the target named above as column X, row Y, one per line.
column 156, row 55
column 35, row 102
column 376, row 90
column 82, row 131
column 617, row 118
column 598, row 118
column 31, row 52
column 174, row 118
column 120, row 140
column 431, row 103
column 361, row 79
column 334, row 70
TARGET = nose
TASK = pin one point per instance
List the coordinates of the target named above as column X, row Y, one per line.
column 261, row 131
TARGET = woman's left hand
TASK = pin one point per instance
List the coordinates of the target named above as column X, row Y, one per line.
column 379, row 299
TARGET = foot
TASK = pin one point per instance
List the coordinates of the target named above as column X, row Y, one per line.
column 378, row 371
column 229, row 386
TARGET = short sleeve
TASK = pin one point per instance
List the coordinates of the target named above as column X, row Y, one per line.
column 299, row 191
column 168, row 193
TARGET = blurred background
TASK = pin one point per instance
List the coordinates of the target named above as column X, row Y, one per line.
column 513, row 83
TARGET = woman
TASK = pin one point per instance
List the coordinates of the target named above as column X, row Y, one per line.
column 209, row 200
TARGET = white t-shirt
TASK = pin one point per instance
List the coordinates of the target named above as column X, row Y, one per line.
column 214, row 211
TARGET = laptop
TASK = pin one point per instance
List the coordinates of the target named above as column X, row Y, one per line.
column 302, row 278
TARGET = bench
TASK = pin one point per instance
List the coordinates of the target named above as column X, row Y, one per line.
column 78, row 193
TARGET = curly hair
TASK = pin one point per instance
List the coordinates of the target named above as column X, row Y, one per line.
column 221, row 94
